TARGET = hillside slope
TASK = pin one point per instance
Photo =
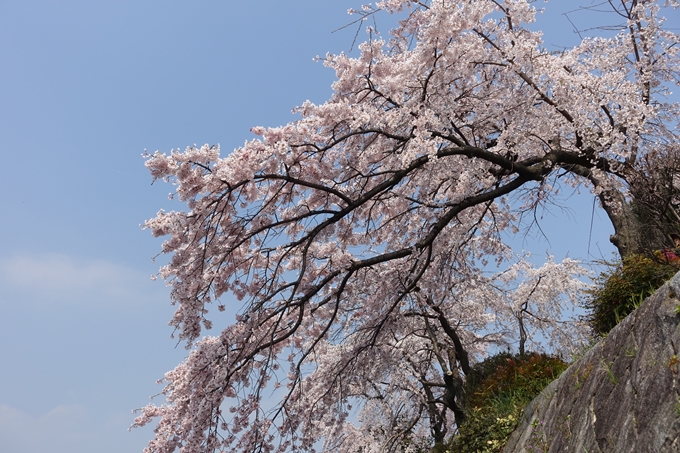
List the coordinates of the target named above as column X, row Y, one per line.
column 622, row 396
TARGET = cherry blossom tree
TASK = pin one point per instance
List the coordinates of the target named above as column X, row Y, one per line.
column 360, row 237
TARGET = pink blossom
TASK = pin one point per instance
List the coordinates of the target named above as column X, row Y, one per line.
column 366, row 240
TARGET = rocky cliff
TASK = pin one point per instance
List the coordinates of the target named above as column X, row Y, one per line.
column 622, row 396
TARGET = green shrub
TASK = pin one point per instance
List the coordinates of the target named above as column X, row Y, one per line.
column 498, row 389
column 622, row 288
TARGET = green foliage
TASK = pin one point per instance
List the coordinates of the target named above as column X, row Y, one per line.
column 608, row 369
column 498, row 390
column 484, row 369
column 529, row 374
column 622, row 288
column 538, row 441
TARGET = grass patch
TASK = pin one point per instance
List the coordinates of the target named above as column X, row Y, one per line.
column 498, row 390
column 622, row 288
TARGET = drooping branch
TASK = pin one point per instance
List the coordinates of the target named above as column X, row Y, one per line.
column 400, row 186
column 461, row 354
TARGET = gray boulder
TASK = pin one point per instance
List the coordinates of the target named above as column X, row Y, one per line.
column 622, row 396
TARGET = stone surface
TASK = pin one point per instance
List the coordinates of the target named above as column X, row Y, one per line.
column 622, row 396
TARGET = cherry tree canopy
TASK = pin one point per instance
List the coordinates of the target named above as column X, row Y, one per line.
column 359, row 237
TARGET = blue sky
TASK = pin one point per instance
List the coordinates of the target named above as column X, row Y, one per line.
column 85, row 87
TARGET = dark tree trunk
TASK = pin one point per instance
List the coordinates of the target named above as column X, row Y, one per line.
column 639, row 227
column 627, row 229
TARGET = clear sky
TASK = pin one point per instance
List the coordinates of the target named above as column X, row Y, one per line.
column 85, row 87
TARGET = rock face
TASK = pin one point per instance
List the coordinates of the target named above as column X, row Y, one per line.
column 622, row 396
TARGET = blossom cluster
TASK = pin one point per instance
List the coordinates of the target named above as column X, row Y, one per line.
column 362, row 239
